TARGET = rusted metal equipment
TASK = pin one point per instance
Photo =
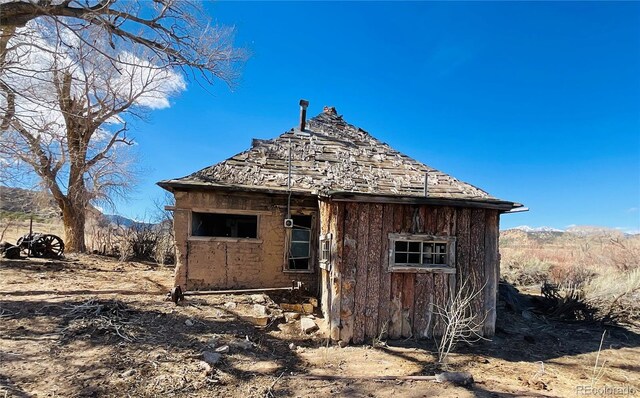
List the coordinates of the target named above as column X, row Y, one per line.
column 177, row 294
column 41, row 245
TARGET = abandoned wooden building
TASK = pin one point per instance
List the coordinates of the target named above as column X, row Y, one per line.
column 381, row 238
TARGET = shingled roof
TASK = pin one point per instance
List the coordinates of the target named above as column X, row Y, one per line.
column 331, row 156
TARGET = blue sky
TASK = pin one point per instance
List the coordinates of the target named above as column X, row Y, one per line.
column 537, row 103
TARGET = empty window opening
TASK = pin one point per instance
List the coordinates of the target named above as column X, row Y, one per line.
column 300, row 243
column 224, row 225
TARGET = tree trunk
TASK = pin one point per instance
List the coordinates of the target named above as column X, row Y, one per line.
column 73, row 217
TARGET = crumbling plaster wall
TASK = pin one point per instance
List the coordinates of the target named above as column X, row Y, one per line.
column 227, row 263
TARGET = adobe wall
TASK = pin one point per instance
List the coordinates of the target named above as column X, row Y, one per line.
column 228, row 263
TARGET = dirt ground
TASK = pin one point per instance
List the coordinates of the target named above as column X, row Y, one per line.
column 92, row 326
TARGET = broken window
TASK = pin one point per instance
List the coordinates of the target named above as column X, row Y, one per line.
column 300, row 243
column 224, row 225
column 421, row 251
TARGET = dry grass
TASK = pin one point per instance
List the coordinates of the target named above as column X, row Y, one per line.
column 600, row 270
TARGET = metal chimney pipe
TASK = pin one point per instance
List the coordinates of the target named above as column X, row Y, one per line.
column 303, row 114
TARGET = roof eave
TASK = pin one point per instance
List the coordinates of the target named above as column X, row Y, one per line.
column 486, row 203
column 176, row 185
column 346, row 196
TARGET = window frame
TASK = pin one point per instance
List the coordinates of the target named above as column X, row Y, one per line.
column 448, row 268
column 325, row 263
column 313, row 236
column 227, row 212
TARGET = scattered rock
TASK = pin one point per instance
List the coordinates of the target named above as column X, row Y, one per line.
column 230, row 305
column 256, row 320
column 291, row 316
column 188, row 322
column 213, row 342
column 260, row 309
column 223, row 349
column 308, row 325
column 243, row 344
column 128, row 373
column 303, row 308
column 455, row 378
column 258, row 298
column 292, row 346
column 211, row 358
column 205, row 366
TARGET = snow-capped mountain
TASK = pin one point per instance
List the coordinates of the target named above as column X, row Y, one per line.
column 526, row 228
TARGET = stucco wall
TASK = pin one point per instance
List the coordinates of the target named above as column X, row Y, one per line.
column 227, row 263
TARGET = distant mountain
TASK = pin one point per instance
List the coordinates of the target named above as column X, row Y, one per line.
column 25, row 202
column 22, row 203
column 572, row 230
column 526, row 228
column 123, row 221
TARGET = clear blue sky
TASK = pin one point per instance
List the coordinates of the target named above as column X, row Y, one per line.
column 534, row 102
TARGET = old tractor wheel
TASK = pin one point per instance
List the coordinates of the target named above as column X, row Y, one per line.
column 49, row 246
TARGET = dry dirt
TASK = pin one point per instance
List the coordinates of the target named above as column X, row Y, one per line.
column 91, row 326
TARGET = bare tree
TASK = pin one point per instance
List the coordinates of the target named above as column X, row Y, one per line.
column 177, row 32
column 461, row 323
column 73, row 72
column 70, row 103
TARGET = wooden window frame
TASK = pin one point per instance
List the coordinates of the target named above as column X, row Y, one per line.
column 448, row 268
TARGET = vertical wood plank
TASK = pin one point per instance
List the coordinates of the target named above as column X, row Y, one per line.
column 491, row 270
column 385, row 275
column 373, row 270
column 361, row 273
column 350, row 259
column 337, row 229
column 476, row 261
column 408, row 290
column 463, row 249
column 411, row 224
column 440, row 288
column 423, row 293
column 397, row 282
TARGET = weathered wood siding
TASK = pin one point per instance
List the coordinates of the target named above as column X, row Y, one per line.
column 223, row 263
column 367, row 301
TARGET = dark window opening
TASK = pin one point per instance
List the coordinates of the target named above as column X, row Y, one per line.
column 300, row 244
column 224, row 225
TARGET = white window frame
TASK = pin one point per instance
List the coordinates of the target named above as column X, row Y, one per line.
column 449, row 267
column 325, row 263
